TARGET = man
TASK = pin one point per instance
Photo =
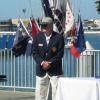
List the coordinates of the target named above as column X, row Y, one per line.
column 48, row 50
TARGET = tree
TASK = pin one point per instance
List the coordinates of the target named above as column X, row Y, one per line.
column 98, row 6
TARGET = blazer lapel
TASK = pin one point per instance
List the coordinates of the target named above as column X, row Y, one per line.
column 44, row 42
column 51, row 40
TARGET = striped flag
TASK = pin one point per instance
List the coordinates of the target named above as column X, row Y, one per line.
column 78, row 46
column 69, row 22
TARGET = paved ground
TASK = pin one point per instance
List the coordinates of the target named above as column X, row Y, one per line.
column 16, row 96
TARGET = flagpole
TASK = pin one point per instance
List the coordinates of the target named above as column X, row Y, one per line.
column 30, row 22
column 25, row 28
column 30, row 3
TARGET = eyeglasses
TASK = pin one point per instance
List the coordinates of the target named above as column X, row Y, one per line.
column 43, row 26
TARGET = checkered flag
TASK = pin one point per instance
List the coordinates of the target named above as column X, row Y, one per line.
column 59, row 16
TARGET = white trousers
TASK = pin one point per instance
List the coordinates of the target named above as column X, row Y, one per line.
column 46, row 87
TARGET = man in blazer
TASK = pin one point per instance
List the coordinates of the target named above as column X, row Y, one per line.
column 48, row 50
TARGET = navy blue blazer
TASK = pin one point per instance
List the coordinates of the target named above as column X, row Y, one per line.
column 52, row 52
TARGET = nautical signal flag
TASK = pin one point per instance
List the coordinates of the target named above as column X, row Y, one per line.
column 78, row 46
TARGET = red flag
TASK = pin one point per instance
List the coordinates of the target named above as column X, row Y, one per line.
column 74, row 51
column 35, row 28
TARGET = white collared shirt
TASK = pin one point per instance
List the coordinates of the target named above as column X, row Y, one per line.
column 48, row 38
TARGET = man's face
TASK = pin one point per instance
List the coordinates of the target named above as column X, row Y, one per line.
column 46, row 28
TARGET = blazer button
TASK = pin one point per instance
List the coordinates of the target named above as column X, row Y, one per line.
column 46, row 54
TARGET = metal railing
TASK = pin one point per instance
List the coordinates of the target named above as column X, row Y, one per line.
column 21, row 71
column 88, row 65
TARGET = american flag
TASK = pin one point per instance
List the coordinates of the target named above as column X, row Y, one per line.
column 47, row 8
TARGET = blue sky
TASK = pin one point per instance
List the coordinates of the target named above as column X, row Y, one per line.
column 88, row 9
column 13, row 8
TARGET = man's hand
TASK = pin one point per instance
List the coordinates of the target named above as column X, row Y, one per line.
column 46, row 65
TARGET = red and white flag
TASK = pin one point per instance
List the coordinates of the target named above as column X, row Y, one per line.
column 69, row 22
